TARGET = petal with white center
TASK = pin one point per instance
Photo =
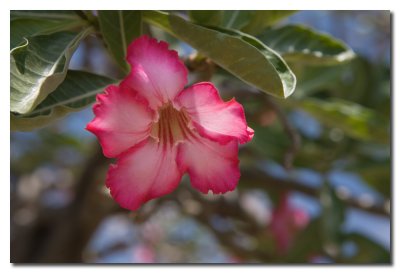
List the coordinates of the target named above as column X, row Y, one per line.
column 211, row 116
column 156, row 72
column 147, row 171
column 122, row 119
column 211, row 165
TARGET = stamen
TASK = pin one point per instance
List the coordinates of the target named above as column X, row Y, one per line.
column 171, row 127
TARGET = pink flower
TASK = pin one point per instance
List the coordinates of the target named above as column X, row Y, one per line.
column 158, row 130
column 286, row 222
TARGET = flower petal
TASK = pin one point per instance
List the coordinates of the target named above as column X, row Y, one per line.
column 156, row 72
column 147, row 171
column 211, row 165
column 211, row 116
column 122, row 119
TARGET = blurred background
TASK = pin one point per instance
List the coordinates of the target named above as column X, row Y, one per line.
column 310, row 191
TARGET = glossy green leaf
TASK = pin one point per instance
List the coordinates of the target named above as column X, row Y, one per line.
column 302, row 44
column 25, row 28
column 39, row 66
column 24, row 24
column 242, row 55
column 260, row 19
column 355, row 120
column 76, row 92
column 119, row 28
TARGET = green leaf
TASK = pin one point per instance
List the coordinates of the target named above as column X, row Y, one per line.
column 235, row 19
column 242, row 55
column 302, row 44
column 157, row 18
column 206, row 17
column 30, row 23
column 44, row 14
column 261, row 19
column 355, row 120
column 39, row 66
column 251, row 21
column 119, row 28
column 76, row 92
column 24, row 28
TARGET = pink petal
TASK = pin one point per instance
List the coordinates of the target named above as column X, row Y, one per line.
column 156, row 72
column 122, row 119
column 147, row 171
column 211, row 165
column 211, row 116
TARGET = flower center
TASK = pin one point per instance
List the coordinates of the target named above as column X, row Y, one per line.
column 171, row 126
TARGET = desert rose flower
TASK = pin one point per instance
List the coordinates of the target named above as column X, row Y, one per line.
column 158, row 130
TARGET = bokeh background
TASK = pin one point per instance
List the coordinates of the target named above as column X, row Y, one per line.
column 331, row 206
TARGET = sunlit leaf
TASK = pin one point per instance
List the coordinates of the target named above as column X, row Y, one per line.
column 39, row 66
column 76, row 92
column 119, row 28
column 302, row 44
column 242, row 55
